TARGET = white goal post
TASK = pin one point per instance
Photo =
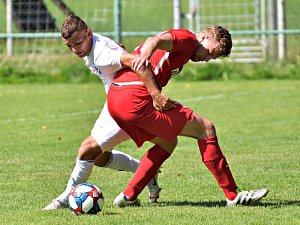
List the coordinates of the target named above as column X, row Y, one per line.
column 249, row 24
column 9, row 43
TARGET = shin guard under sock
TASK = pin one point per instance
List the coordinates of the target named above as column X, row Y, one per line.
column 80, row 174
column 216, row 162
column 149, row 165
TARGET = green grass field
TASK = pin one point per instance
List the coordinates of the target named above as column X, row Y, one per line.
column 258, row 126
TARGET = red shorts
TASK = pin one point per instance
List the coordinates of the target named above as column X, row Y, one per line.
column 131, row 106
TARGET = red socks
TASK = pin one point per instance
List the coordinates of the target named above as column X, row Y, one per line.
column 147, row 169
column 215, row 161
column 211, row 155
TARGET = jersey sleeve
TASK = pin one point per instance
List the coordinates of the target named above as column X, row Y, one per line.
column 183, row 40
column 109, row 59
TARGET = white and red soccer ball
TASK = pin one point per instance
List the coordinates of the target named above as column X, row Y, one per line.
column 86, row 198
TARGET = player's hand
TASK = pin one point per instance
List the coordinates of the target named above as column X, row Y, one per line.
column 163, row 103
column 139, row 64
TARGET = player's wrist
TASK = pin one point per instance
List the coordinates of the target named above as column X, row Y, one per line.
column 155, row 94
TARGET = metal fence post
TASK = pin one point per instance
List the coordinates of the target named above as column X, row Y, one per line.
column 117, row 20
column 177, row 22
column 9, row 41
column 281, row 27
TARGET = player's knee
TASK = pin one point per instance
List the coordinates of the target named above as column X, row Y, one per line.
column 169, row 147
column 199, row 127
column 210, row 129
column 89, row 150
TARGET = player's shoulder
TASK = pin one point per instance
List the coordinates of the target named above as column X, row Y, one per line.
column 105, row 44
column 103, row 41
column 183, row 37
column 181, row 31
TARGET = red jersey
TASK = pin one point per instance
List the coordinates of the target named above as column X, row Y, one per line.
column 165, row 63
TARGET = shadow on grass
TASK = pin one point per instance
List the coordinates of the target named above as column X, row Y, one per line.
column 269, row 204
column 196, row 204
column 278, row 204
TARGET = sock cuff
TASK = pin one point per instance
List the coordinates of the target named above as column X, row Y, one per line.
column 84, row 161
column 109, row 161
column 209, row 149
column 209, row 140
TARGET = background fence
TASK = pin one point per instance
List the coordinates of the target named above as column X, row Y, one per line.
column 35, row 24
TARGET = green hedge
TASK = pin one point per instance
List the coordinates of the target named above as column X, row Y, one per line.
column 234, row 71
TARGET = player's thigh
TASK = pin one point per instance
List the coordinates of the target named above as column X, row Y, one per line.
column 106, row 131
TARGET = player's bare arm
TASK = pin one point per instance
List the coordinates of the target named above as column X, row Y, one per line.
column 160, row 101
column 161, row 41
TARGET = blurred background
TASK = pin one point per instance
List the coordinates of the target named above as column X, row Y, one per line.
column 264, row 31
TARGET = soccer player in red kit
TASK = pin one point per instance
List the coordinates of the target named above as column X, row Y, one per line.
column 131, row 106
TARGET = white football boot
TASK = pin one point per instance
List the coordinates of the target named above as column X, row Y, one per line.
column 55, row 204
column 247, row 197
column 154, row 189
column 122, row 201
column 62, row 201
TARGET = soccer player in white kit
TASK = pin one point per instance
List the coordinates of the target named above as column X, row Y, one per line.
column 103, row 57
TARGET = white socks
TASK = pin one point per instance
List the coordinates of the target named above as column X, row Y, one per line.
column 122, row 162
column 80, row 174
column 83, row 169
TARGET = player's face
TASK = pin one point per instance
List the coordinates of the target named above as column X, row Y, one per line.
column 80, row 43
column 206, row 50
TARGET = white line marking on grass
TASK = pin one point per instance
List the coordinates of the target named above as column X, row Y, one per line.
column 216, row 96
column 201, row 98
column 72, row 114
column 238, row 93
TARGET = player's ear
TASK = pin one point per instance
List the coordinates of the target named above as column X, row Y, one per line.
column 89, row 31
column 205, row 36
column 201, row 37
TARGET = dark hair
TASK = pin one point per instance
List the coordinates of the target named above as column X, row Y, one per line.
column 71, row 24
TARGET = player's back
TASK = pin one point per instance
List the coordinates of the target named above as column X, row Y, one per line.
column 164, row 65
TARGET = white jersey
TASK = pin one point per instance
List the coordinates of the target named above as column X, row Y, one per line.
column 104, row 59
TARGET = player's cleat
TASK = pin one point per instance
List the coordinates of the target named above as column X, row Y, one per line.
column 247, row 197
column 154, row 190
column 55, row 204
column 122, row 201
column 154, row 196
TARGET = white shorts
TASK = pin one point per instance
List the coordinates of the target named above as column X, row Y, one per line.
column 106, row 131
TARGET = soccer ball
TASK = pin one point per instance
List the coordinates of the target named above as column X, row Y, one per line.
column 86, row 199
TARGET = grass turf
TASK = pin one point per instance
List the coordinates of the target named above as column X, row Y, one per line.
column 41, row 127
